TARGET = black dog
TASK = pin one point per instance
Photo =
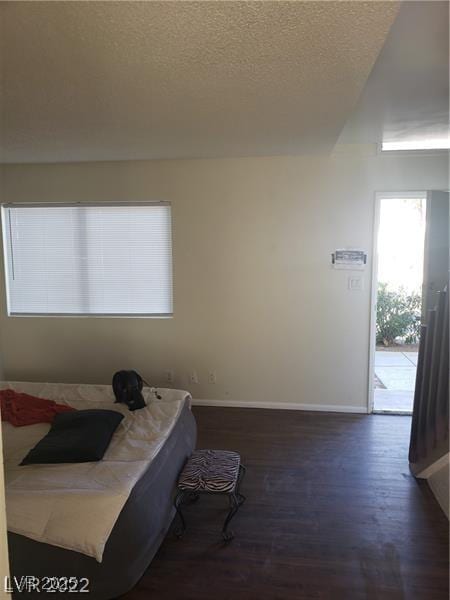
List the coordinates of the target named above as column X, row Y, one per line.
column 127, row 387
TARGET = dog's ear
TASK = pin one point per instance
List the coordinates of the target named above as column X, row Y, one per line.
column 118, row 386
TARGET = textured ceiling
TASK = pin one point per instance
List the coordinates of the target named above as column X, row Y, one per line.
column 406, row 97
column 130, row 80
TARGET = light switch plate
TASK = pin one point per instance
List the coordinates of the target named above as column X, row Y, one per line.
column 355, row 283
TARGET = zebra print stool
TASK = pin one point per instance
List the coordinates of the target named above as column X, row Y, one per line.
column 211, row 472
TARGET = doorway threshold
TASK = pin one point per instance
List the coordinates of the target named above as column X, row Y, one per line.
column 393, row 401
column 400, row 413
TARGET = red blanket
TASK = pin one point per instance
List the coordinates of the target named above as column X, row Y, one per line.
column 22, row 409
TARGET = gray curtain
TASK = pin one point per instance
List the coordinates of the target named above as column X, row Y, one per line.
column 430, row 421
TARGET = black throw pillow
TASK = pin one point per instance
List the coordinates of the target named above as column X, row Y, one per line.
column 75, row 437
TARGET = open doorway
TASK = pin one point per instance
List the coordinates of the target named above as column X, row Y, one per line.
column 398, row 284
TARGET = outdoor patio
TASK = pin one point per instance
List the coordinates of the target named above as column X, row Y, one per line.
column 395, row 376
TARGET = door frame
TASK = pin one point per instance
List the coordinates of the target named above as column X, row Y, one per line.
column 374, row 282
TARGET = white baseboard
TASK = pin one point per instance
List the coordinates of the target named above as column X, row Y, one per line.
column 281, row 406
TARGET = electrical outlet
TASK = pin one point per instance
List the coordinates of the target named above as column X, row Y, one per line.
column 193, row 378
column 212, row 377
column 170, row 377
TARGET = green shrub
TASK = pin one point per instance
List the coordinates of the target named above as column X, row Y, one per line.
column 398, row 315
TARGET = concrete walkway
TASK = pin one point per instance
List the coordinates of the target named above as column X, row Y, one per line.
column 396, row 371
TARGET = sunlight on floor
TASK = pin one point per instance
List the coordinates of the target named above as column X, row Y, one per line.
column 396, row 376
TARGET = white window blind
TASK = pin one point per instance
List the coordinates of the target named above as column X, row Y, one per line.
column 88, row 259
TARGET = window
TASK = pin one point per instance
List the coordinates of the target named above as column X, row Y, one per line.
column 88, row 259
column 424, row 144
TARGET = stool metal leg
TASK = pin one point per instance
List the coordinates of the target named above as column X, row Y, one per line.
column 235, row 503
column 177, row 503
column 193, row 497
column 236, row 500
column 240, row 496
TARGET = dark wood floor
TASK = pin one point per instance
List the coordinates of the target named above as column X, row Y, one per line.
column 332, row 512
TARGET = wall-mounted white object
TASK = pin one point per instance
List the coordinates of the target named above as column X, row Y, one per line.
column 355, row 283
column 193, row 377
column 349, row 258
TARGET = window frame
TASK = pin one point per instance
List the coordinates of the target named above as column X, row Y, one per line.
column 7, row 256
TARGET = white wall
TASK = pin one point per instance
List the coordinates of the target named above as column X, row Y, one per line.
column 254, row 297
column 439, row 483
column 437, row 476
